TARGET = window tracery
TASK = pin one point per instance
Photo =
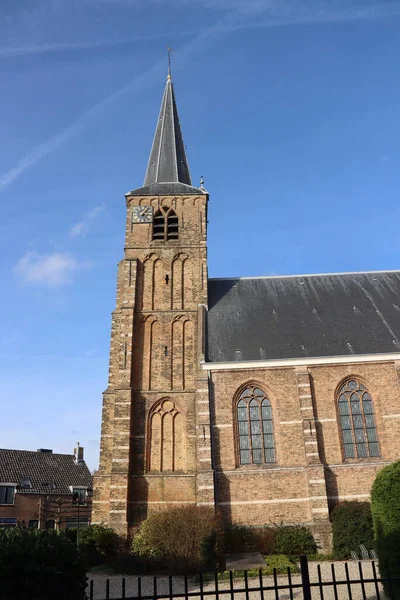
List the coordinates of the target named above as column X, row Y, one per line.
column 357, row 421
column 255, row 427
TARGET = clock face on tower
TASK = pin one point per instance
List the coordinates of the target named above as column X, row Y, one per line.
column 142, row 214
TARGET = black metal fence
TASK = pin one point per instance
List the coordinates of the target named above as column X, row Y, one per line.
column 353, row 581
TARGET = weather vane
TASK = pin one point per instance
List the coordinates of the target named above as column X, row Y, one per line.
column 169, row 61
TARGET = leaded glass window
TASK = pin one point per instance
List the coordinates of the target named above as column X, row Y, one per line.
column 255, row 428
column 357, row 421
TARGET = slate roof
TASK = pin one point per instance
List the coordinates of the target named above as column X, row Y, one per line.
column 305, row 315
column 168, row 162
column 167, row 189
column 43, row 468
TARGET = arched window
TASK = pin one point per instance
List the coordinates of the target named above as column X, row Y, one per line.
column 357, row 421
column 255, row 428
column 165, row 224
column 166, row 448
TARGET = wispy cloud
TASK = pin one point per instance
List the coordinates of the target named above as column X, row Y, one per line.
column 82, row 227
column 8, row 52
column 51, row 270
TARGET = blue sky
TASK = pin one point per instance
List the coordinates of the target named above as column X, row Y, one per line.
column 290, row 111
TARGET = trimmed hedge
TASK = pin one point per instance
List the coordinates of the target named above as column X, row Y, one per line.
column 351, row 527
column 385, row 506
column 294, row 541
column 39, row 565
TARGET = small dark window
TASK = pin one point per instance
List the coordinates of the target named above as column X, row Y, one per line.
column 26, row 483
column 8, row 522
column 75, row 523
column 79, row 496
column 33, row 524
column 50, row 524
column 7, row 494
column 165, row 225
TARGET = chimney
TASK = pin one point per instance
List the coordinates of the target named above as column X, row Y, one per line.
column 78, row 452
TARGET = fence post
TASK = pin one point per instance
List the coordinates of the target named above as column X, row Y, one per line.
column 305, row 578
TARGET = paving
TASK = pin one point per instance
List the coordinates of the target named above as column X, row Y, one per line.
column 224, row 592
column 244, row 561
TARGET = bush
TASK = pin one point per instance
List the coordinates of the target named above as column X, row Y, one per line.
column 277, row 562
column 385, row 506
column 239, row 538
column 281, row 563
column 97, row 543
column 39, row 565
column 184, row 538
column 294, row 541
column 266, row 540
column 351, row 527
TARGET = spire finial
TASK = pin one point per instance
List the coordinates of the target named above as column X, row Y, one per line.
column 169, row 62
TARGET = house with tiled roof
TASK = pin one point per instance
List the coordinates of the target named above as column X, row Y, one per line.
column 44, row 490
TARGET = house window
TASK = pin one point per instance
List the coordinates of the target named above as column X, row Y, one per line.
column 50, row 524
column 79, row 495
column 255, row 428
column 165, row 225
column 75, row 523
column 33, row 524
column 8, row 522
column 25, row 483
column 7, row 494
column 357, row 421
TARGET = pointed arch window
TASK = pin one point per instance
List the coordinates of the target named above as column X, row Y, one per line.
column 357, row 421
column 165, row 225
column 255, row 428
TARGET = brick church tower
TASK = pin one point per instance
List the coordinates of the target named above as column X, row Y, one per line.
column 155, row 439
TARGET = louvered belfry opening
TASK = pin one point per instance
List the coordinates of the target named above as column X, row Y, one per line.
column 165, row 225
column 172, row 226
column 158, row 226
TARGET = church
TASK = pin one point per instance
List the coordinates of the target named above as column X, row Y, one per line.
column 269, row 398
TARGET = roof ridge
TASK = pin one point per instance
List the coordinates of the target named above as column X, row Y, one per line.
column 303, row 275
column 38, row 453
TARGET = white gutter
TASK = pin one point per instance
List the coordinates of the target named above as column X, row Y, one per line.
column 298, row 362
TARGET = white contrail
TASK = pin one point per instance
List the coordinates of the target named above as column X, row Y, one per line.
column 62, row 47
column 135, row 86
column 79, row 125
column 229, row 23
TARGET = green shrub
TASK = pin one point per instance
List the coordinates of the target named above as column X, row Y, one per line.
column 294, row 541
column 239, row 538
column 274, row 561
column 184, row 538
column 385, row 506
column 280, row 562
column 351, row 527
column 39, row 565
column 97, row 543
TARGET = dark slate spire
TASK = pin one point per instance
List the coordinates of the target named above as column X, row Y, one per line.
column 168, row 162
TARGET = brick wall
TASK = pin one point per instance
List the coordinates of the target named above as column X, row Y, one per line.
column 156, row 403
column 40, row 507
column 310, row 473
